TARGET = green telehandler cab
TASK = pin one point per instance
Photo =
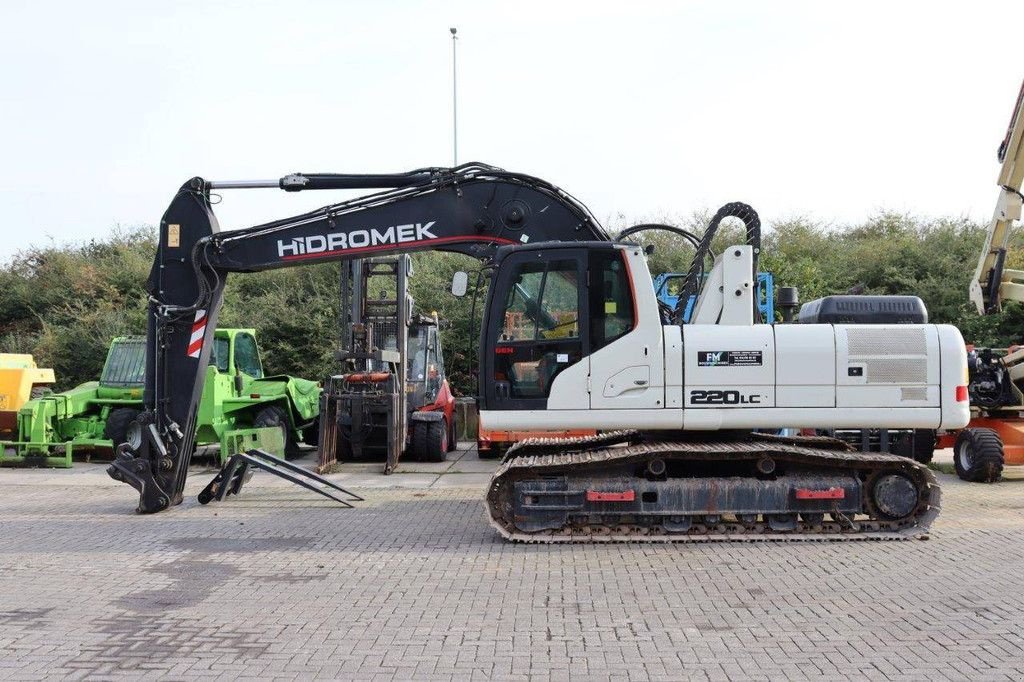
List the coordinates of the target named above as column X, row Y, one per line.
column 240, row 408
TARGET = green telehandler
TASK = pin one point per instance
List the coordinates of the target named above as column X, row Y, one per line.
column 240, row 408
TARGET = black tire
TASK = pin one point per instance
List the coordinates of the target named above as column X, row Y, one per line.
column 924, row 445
column 273, row 415
column 453, row 434
column 419, row 440
column 342, row 448
column 978, row 455
column 430, row 441
column 38, row 392
column 118, row 421
column 311, row 434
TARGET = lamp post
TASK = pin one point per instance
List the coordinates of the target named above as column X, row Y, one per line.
column 455, row 115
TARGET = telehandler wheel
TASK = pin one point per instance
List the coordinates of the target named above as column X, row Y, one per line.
column 978, row 455
column 924, row 445
column 116, row 428
column 272, row 415
column 430, row 441
column 311, row 434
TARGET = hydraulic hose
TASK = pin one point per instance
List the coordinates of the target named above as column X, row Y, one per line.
column 694, row 281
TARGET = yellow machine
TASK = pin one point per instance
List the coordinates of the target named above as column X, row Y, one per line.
column 20, row 381
column 995, row 435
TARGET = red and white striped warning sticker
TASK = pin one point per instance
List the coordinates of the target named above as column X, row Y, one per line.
column 195, row 343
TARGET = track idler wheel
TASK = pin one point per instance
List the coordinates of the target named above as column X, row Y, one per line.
column 893, row 495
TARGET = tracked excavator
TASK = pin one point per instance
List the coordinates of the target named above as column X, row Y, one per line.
column 573, row 338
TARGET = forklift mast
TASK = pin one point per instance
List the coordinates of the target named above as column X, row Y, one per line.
column 370, row 394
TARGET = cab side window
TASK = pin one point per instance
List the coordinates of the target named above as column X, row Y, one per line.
column 520, row 324
column 540, row 333
column 434, row 369
column 247, row 357
column 611, row 298
column 219, row 356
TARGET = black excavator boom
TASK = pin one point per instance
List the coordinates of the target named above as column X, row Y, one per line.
column 472, row 209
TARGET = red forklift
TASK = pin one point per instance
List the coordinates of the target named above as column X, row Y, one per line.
column 392, row 396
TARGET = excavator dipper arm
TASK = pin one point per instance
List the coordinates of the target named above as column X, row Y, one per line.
column 472, row 209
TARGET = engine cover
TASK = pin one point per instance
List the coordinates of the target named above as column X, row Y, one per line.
column 864, row 310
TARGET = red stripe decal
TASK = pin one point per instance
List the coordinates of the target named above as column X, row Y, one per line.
column 829, row 494
column 391, row 247
column 598, row 496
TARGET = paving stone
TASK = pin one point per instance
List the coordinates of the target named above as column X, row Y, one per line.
column 413, row 584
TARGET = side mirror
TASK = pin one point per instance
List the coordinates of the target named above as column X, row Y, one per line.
column 460, row 284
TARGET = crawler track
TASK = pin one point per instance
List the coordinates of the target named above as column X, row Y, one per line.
column 615, row 456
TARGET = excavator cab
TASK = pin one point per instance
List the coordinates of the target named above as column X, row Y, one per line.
column 548, row 310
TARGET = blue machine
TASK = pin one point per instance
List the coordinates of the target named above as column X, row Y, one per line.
column 765, row 294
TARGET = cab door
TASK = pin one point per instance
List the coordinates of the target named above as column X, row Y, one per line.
column 535, row 327
column 627, row 356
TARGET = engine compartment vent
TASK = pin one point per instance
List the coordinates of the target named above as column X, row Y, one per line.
column 887, row 342
column 889, row 356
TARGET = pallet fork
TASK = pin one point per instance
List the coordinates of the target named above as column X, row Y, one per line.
column 238, row 470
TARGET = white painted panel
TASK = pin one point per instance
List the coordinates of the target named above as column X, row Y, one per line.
column 953, row 356
column 811, row 418
column 805, row 396
column 569, row 389
column 636, row 379
column 805, row 354
column 538, row 420
column 880, row 396
column 673, row 366
column 728, row 366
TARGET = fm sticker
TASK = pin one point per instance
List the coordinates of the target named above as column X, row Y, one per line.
column 729, row 358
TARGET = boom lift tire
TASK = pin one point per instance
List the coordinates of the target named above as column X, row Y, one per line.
column 924, row 445
column 978, row 455
column 273, row 415
column 116, row 428
column 430, row 441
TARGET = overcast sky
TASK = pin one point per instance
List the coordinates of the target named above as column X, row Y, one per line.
column 829, row 110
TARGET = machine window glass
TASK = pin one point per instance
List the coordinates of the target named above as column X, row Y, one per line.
column 247, row 358
column 559, row 306
column 440, row 355
column 433, row 367
column 611, row 298
column 540, row 327
column 126, row 365
column 417, row 353
column 219, row 356
column 521, row 305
